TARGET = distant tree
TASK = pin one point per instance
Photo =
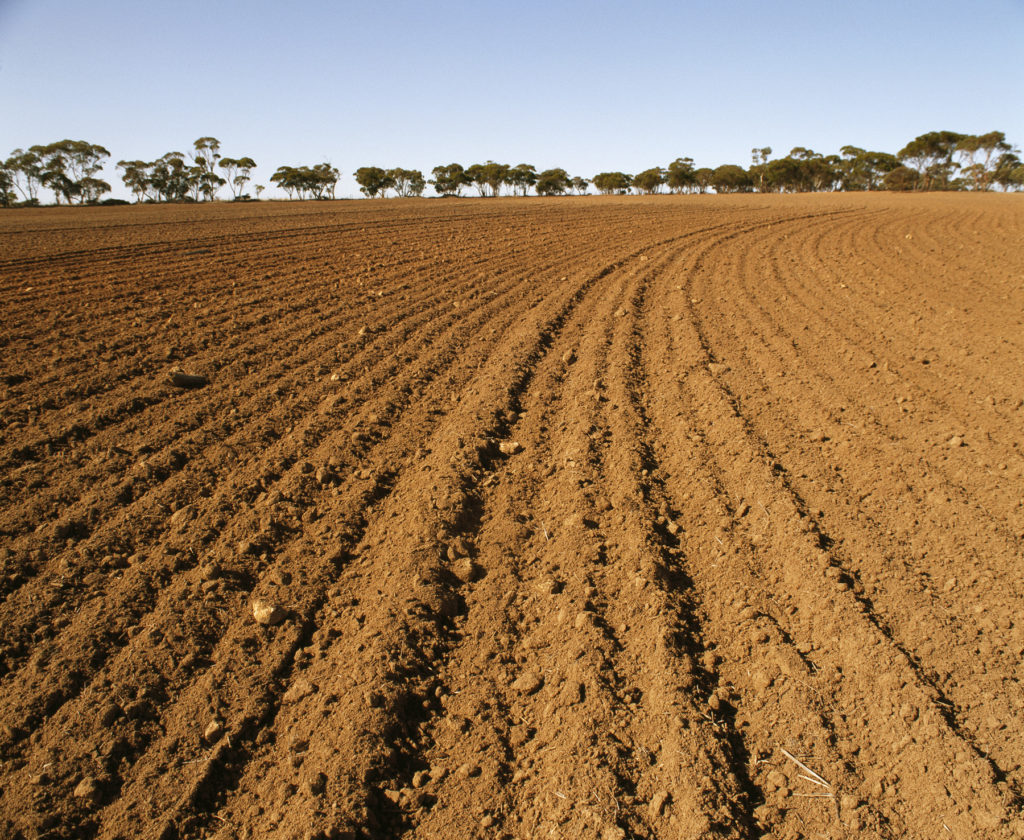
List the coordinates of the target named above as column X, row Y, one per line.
column 204, row 180
column 1009, row 171
column 495, row 174
column 259, row 190
column 475, row 176
column 979, row 155
column 68, row 166
column 7, row 194
column 406, row 182
column 307, row 182
column 862, row 170
column 323, row 180
column 580, row 185
column 450, row 179
column 553, row 182
column 26, row 171
column 702, row 178
column 612, row 183
column 238, row 173
column 730, row 178
column 902, row 178
column 649, row 181
column 372, row 180
column 520, row 178
column 136, row 177
column 679, row 176
column 169, row 177
column 758, row 168
column 931, row 155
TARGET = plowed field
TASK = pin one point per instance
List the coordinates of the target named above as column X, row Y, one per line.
column 581, row 518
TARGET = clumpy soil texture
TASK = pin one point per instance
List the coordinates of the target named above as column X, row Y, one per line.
column 584, row 518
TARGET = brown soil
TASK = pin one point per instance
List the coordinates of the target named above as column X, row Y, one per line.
column 624, row 518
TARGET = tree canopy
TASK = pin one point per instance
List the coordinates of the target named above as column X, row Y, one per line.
column 70, row 170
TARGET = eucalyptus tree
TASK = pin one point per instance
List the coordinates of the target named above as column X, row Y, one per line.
column 649, row 181
column 7, row 194
column 520, row 178
column 863, row 170
column 406, row 182
column 488, row 177
column 730, row 178
column 450, row 179
column 979, row 156
column 679, row 175
column 553, row 182
column 238, row 172
column 372, row 180
column 702, row 179
column 68, row 167
column 758, row 169
column 26, row 171
column 612, row 183
column 931, row 155
column 579, row 185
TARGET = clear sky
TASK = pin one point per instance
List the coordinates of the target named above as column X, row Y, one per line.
column 588, row 85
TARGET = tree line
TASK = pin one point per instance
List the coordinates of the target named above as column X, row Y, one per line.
column 937, row 160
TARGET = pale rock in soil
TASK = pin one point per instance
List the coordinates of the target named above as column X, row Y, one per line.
column 266, row 613
column 214, row 729
column 510, row 447
column 87, row 790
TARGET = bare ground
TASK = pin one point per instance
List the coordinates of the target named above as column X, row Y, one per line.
column 597, row 518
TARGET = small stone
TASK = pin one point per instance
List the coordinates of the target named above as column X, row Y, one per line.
column 487, row 821
column 717, row 368
column 528, row 682
column 179, row 379
column 467, row 771
column 374, row 699
column 956, row 441
column 88, row 790
column 568, row 357
column 510, row 447
column 266, row 613
column 214, row 729
column 620, row 313
column 244, row 547
column 420, row 778
column 613, row 832
column 657, row 803
column 468, row 571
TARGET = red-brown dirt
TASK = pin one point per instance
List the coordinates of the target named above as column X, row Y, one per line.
column 580, row 518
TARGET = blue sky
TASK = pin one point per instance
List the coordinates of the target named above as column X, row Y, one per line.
column 588, row 86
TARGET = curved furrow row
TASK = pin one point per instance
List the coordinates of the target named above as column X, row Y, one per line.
column 906, row 604
column 201, row 345
column 189, row 519
column 554, row 648
column 399, row 598
column 792, row 593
